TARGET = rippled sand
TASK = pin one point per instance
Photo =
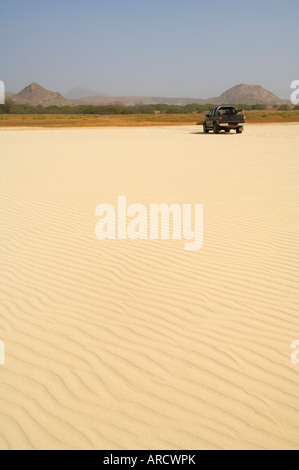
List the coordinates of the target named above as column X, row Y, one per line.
column 140, row 344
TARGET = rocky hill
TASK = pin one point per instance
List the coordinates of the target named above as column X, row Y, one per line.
column 9, row 95
column 248, row 94
column 35, row 95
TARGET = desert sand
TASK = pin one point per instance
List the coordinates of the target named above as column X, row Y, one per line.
column 139, row 344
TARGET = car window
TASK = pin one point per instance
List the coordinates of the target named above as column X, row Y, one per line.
column 228, row 111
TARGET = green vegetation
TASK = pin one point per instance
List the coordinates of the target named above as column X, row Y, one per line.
column 118, row 109
column 283, row 107
column 259, row 107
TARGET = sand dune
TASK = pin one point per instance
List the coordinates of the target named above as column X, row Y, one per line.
column 140, row 344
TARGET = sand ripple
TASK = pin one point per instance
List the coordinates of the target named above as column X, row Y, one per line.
column 127, row 345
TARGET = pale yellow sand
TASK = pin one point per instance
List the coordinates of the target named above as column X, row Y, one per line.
column 126, row 345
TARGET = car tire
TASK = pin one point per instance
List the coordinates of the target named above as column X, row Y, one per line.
column 205, row 130
column 216, row 129
column 239, row 130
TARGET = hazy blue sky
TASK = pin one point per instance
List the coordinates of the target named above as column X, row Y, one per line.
column 179, row 48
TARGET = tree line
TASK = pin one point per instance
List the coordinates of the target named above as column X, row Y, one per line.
column 10, row 107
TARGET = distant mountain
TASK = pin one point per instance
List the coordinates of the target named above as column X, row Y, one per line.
column 36, row 95
column 247, row 94
column 239, row 94
column 133, row 100
column 80, row 92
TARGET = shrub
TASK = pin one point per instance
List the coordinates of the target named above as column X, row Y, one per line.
column 283, row 107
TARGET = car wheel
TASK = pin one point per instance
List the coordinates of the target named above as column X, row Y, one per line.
column 239, row 130
column 206, row 131
column 227, row 131
column 216, row 129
